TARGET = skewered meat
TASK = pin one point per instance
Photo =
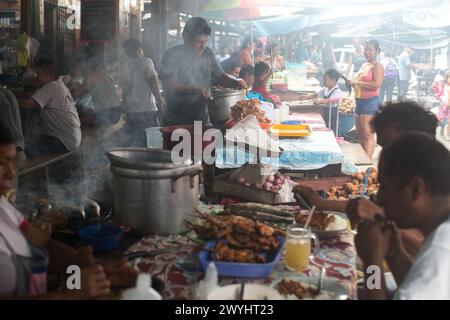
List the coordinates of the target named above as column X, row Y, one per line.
column 301, row 291
column 245, row 108
column 245, row 237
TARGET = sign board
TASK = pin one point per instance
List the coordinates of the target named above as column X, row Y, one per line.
column 99, row 20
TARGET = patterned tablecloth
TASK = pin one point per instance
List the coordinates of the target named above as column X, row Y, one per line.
column 180, row 269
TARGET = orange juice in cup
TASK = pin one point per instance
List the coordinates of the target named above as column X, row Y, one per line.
column 298, row 248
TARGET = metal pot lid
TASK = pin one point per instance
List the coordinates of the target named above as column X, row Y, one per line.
column 227, row 93
column 143, row 158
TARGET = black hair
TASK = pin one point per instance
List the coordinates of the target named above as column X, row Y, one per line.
column 195, row 27
column 332, row 74
column 48, row 66
column 418, row 154
column 260, row 69
column 336, row 75
column 247, row 70
column 6, row 135
column 131, row 46
column 388, row 53
column 375, row 44
column 405, row 116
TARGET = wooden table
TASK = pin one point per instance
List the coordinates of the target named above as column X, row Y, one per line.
column 289, row 95
column 308, row 108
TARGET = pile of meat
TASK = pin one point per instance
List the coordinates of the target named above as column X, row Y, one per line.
column 355, row 187
column 245, row 108
column 301, row 291
column 239, row 239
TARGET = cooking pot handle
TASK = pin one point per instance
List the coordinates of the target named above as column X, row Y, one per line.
column 190, row 172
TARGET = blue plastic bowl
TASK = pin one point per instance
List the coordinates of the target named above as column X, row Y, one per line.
column 103, row 237
column 241, row 270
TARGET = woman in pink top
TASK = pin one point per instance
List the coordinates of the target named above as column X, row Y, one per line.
column 367, row 86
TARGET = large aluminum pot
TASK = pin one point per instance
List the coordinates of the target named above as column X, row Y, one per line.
column 220, row 108
column 153, row 195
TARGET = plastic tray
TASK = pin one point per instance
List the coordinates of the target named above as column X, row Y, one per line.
column 291, row 130
column 241, row 270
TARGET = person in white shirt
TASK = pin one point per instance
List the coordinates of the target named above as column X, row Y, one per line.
column 142, row 92
column 224, row 55
column 329, row 94
column 414, row 193
column 58, row 115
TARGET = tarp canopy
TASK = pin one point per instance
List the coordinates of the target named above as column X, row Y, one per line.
column 429, row 18
column 285, row 25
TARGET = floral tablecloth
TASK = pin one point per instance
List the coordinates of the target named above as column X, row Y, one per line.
column 180, row 269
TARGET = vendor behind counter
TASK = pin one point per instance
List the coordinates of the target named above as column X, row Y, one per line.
column 187, row 72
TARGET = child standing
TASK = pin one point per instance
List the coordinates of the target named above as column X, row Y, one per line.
column 330, row 92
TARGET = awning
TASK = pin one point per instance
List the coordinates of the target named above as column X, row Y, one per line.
column 285, row 25
column 429, row 18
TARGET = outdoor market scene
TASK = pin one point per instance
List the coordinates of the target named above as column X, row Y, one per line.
column 225, row 150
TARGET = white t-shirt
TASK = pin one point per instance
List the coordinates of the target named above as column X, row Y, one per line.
column 58, row 114
column 139, row 71
column 324, row 93
column 10, row 222
column 429, row 277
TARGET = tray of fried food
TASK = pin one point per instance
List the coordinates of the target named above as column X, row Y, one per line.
column 238, row 231
column 245, row 108
column 325, row 223
column 237, row 243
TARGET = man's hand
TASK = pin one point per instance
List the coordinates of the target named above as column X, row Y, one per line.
column 373, row 241
column 311, row 196
column 362, row 209
column 204, row 94
column 119, row 273
column 242, row 83
column 396, row 245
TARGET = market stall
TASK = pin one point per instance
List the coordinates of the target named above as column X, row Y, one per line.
column 180, row 269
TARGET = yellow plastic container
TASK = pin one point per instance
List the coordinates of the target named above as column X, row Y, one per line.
column 291, row 130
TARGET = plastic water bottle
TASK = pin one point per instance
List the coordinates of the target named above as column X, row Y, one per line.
column 143, row 290
column 209, row 283
column 284, row 112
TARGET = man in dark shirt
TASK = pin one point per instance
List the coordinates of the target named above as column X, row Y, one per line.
column 187, row 72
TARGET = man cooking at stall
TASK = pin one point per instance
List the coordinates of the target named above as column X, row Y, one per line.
column 187, row 73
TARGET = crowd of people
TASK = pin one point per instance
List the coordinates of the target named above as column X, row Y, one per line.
column 408, row 225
